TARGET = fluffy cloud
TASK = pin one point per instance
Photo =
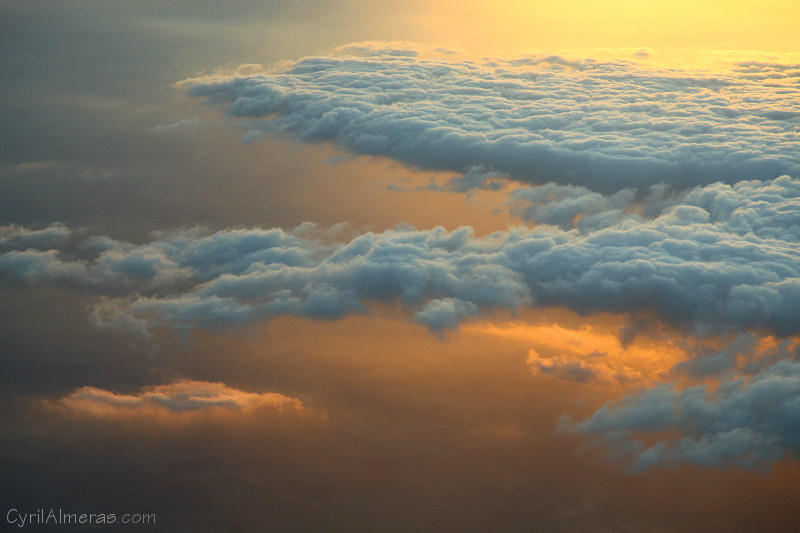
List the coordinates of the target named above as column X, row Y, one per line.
column 603, row 125
column 722, row 256
column 179, row 399
column 745, row 421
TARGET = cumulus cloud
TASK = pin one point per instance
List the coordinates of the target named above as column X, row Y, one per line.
column 602, row 125
column 184, row 398
column 723, row 256
column 748, row 422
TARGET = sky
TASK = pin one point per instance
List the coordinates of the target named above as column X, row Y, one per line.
column 401, row 266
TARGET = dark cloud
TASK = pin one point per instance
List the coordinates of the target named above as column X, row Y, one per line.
column 720, row 256
column 745, row 421
column 606, row 126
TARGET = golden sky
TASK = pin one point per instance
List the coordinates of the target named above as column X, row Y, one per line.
column 683, row 27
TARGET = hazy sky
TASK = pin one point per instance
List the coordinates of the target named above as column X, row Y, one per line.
column 401, row 266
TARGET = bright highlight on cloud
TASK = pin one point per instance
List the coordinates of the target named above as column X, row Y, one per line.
column 181, row 399
column 589, row 352
column 602, row 125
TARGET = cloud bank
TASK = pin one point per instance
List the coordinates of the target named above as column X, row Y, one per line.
column 602, row 125
column 721, row 257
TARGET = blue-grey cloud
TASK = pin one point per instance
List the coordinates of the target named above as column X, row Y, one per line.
column 747, row 421
column 602, row 125
column 13, row 237
column 570, row 206
column 719, row 361
column 721, row 256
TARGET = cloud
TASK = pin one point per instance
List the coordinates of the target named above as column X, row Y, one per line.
column 445, row 313
column 379, row 49
column 181, row 124
column 587, row 351
column 181, row 399
column 34, row 266
column 719, row 361
column 602, row 125
column 569, row 206
column 720, row 256
column 747, row 422
column 14, row 237
column 474, row 178
column 594, row 366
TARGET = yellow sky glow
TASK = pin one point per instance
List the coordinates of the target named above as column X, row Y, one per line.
column 673, row 30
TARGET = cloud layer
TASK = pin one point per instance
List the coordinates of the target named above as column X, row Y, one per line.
column 602, row 125
column 721, row 256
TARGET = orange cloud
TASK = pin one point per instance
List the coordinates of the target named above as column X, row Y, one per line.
column 589, row 351
column 185, row 399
